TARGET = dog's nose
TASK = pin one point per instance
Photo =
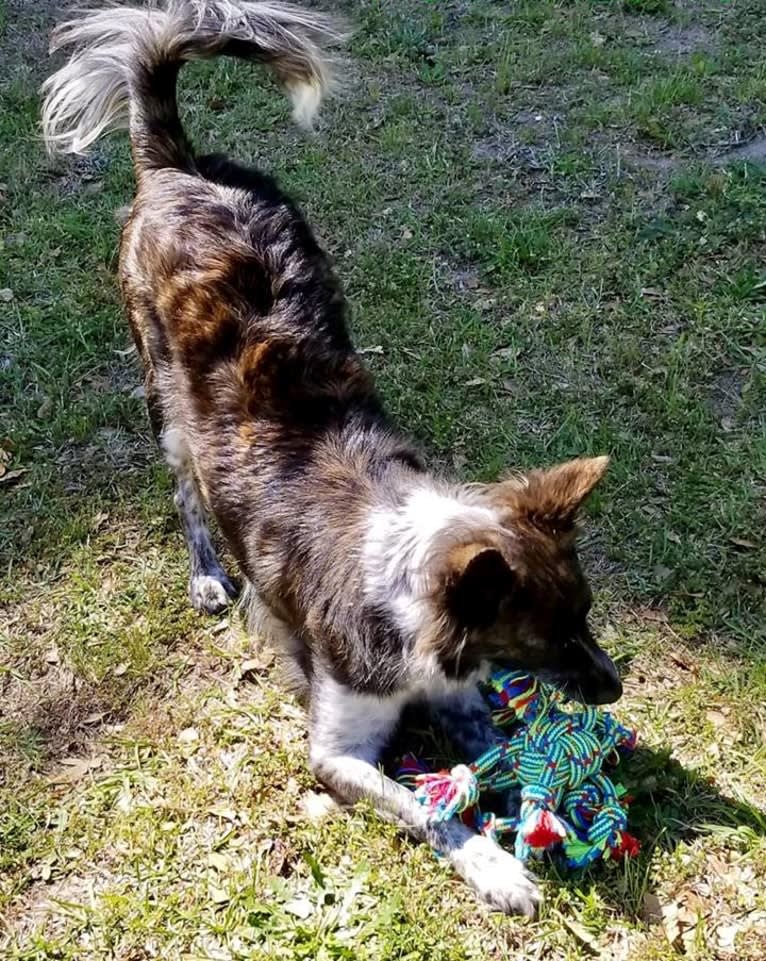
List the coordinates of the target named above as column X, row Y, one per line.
column 608, row 693
column 606, row 683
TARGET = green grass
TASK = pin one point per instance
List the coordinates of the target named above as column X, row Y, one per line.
column 548, row 240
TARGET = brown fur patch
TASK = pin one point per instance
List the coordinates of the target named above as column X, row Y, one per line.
column 552, row 497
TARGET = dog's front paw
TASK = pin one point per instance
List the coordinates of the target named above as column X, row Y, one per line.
column 498, row 877
column 211, row 593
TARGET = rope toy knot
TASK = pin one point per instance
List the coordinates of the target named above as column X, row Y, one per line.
column 513, row 696
column 447, row 793
column 627, row 846
column 607, row 826
column 539, row 827
column 539, row 795
column 410, row 769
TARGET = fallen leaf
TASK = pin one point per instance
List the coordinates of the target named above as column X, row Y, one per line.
column 218, row 861
column 727, row 936
column 99, row 520
column 680, row 661
column 45, row 408
column 716, row 718
column 121, row 669
column 582, row 934
column 96, row 718
column 742, row 542
column 277, row 855
column 6, row 295
column 651, row 909
column 506, row 353
column 687, row 917
column 226, row 814
column 693, row 909
column 407, row 234
column 218, row 896
column 251, row 668
column 670, row 922
column 188, row 736
column 8, row 477
column 653, row 614
column 475, row 382
column 74, row 768
column 301, row 907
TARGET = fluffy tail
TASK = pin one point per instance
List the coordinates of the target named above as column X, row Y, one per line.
column 123, row 70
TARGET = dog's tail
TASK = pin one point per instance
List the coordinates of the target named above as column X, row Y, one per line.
column 123, row 69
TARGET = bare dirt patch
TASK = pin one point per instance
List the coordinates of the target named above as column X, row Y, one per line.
column 27, row 30
column 649, row 161
column 725, row 395
column 40, row 909
column 683, row 41
column 754, row 150
column 56, row 712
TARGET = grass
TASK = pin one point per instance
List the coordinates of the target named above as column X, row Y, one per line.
column 553, row 245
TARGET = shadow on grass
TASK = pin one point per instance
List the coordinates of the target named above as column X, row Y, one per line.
column 59, row 717
column 671, row 805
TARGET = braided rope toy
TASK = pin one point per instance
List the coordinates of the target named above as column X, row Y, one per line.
column 555, row 757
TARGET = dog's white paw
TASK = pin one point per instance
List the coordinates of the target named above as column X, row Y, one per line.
column 498, row 877
column 211, row 594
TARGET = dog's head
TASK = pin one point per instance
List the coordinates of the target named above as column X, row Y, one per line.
column 513, row 590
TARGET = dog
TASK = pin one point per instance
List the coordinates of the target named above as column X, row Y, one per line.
column 380, row 582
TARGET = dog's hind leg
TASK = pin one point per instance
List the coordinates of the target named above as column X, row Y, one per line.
column 210, row 589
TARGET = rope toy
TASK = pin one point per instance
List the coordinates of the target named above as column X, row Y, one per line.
column 555, row 759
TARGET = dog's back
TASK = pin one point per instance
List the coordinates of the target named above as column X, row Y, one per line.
column 265, row 412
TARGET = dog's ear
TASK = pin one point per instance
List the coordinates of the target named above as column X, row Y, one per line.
column 552, row 497
column 478, row 579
